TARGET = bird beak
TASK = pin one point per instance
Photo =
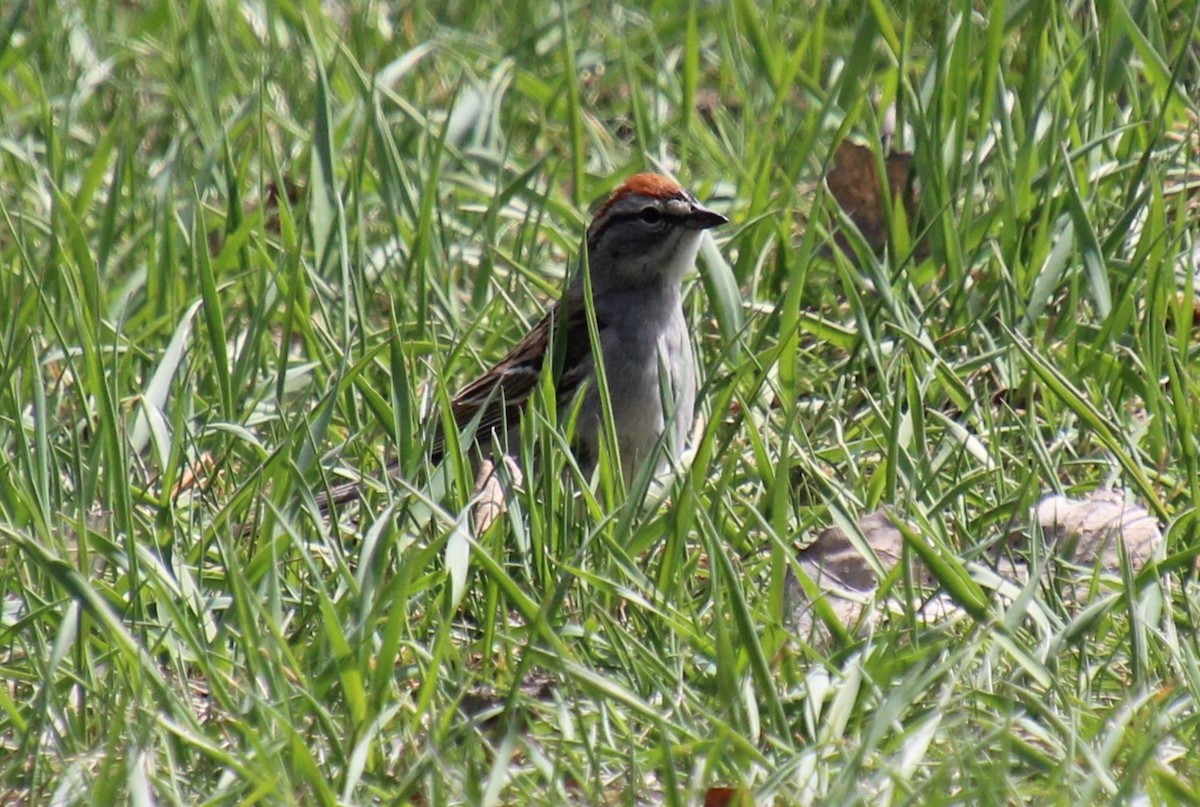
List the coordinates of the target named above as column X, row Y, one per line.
column 701, row 218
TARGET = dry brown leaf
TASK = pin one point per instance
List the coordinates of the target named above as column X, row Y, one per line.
column 844, row 577
column 727, row 797
column 1088, row 532
column 195, row 474
column 853, row 181
column 1085, row 531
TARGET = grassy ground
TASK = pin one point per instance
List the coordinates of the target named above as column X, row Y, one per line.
column 245, row 248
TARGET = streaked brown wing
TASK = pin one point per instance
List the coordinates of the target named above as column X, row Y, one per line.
column 503, row 390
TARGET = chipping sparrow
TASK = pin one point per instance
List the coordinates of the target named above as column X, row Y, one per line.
column 639, row 246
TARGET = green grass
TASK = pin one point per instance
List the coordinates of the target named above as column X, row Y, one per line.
column 248, row 248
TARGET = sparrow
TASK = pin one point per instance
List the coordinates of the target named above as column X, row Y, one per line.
column 640, row 244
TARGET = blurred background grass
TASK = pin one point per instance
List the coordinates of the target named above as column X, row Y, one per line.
column 247, row 248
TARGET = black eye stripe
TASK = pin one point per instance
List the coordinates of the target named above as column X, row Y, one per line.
column 637, row 215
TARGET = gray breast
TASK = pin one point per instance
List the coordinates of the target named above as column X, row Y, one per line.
column 645, row 334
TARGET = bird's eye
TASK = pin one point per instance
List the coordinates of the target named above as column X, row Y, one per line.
column 651, row 215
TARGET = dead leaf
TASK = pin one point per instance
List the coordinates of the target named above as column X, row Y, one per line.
column 843, row 576
column 853, row 181
column 727, row 797
column 194, row 474
column 1087, row 532
column 1091, row 530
